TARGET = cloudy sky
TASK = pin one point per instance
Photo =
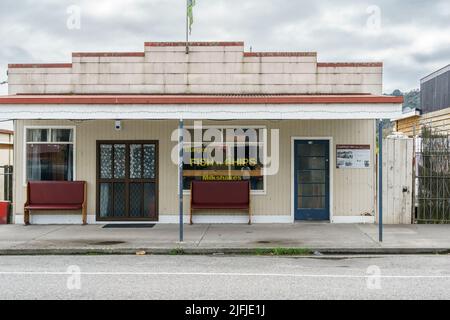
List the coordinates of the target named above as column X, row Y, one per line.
column 410, row 36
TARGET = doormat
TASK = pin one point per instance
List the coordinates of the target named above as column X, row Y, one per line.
column 128, row 226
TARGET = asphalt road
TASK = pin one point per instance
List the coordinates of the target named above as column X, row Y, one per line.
column 224, row 277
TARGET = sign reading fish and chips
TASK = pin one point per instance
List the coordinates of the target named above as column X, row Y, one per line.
column 352, row 156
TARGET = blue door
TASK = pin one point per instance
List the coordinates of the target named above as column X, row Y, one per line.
column 312, row 180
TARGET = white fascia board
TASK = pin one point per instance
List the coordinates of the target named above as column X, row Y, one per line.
column 407, row 115
column 203, row 112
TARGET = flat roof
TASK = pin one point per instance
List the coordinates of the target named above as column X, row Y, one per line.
column 198, row 99
column 435, row 74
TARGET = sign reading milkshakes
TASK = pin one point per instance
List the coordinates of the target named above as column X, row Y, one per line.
column 352, row 156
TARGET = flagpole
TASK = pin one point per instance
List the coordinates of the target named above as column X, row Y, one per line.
column 187, row 26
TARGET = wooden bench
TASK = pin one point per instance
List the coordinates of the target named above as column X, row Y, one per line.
column 220, row 195
column 55, row 195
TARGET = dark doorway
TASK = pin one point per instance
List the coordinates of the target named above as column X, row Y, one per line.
column 312, row 180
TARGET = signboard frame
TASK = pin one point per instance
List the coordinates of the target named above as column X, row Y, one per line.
column 353, row 156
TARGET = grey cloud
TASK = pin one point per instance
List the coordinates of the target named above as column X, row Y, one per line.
column 14, row 54
column 437, row 55
column 401, row 76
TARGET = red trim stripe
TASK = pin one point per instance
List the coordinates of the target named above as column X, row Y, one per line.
column 40, row 65
column 349, row 64
column 108, row 54
column 280, row 54
column 196, row 44
column 183, row 99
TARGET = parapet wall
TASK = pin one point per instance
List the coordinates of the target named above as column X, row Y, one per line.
column 209, row 68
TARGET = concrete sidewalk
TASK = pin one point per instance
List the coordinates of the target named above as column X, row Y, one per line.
column 323, row 237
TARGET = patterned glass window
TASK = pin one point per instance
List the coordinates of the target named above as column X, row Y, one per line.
column 149, row 161
column 119, row 161
column 135, row 161
column 106, row 152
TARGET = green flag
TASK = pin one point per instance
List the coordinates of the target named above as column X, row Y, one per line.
column 190, row 13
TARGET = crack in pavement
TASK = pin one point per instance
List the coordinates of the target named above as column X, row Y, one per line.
column 370, row 237
column 41, row 236
column 203, row 235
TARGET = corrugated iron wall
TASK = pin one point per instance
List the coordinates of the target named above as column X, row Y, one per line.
column 435, row 93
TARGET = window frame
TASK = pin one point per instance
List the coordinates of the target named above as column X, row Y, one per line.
column 49, row 127
column 223, row 127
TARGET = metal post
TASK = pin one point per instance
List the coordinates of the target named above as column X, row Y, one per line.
column 180, row 177
column 380, row 180
column 413, row 187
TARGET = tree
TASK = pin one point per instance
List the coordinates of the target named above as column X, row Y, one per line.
column 411, row 99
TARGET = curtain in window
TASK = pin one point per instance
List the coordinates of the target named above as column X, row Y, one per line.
column 34, row 168
column 50, row 162
column 37, row 135
column 69, row 162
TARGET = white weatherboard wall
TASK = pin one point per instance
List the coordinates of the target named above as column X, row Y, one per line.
column 207, row 69
column 353, row 189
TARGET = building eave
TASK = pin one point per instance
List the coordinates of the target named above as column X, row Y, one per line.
column 195, row 99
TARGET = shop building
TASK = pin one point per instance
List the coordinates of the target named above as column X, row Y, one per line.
column 111, row 119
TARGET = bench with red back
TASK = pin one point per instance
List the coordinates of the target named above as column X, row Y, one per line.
column 221, row 195
column 55, row 195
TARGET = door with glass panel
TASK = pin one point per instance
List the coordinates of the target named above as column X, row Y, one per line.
column 127, row 180
column 312, row 179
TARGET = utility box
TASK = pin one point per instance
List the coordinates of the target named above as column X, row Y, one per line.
column 4, row 212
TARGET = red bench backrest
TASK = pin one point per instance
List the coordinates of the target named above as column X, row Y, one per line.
column 55, row 192
column 220, row 192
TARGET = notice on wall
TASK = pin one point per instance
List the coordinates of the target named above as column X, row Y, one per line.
column 352, row 156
